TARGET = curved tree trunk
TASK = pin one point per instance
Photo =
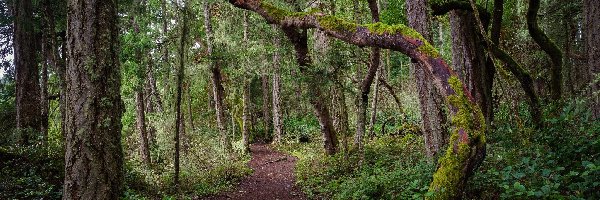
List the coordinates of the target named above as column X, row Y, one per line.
column 547, row 46
column 26, row 72
column 430, row 100
column 94, row 156
column 365, row 86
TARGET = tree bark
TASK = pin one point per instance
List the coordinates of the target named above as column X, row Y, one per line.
column 547, row 46
column 264, row 78
column 180, row 76
column 26, row 72
column 277, row 119
column 217, row 84
column 94, row 156
column 365, row 86
column 374, row 104
column 246, row 97
column 141, row 126
column 469, row 59
column 591, row 12
column 433, row 119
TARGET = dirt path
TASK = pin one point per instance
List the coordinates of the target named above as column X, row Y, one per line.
column 273, row 177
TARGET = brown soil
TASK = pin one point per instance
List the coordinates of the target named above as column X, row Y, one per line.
column 273, row 177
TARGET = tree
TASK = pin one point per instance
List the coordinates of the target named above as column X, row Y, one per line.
column 430, row 100
column 467, row 141
column 180, row 76
column 277, row 119
column 591, row 12
column 26, row 72
column 217, row 84
column 94, row 156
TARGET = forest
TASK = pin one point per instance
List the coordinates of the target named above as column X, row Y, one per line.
column 299, row 99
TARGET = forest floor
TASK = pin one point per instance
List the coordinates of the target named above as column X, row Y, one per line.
column 272, row 177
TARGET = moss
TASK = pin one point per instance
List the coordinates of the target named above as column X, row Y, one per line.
column 334, row 23
column 273, row 11
column 381, row 28
column 468, row 118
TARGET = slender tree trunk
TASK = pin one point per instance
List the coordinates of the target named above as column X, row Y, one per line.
column 217, row 85
column 151, row 91
column 266, row 101
column 430, row 100
column 277, row 119
column 591, row 12
column 246, row 97
column 365, row 86
column 340, row 120
column 246, row 116
column 180, row 76
column 44, row 102
column 317, row 99
column 374, row 104
column 26, row 72
column 94, row 156
column 189, row 106
column 141, row 126
column 547, row 46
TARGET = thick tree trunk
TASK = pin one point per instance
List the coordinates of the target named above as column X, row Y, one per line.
column 217, row 85
column 431, row 102
column 94, row 156
column 277, row 119
column 141, row 126
column 26, row 72
column 591, row 12
column 469, row 59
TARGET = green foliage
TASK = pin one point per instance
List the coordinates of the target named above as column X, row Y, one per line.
column 31, row 172
column 394, row 168
column 558, row 162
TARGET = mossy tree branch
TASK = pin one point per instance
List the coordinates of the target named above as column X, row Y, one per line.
column 547, row 46
column 468, row 137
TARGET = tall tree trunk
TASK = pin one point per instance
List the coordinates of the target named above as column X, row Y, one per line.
column 340, row 119
column 591, row 12
column 246, row 97
column 44, row 101
column 189, row 106
column 217, row 85
column 94, row 156
column 141, row 126
column 374, row 104
column 365, row 86
column 431, row 101
column 26, row 72
column 264, row 78
column 180, row 76
column 299, row 39
column 277, row 119
column 468, row 57
column 153, row 99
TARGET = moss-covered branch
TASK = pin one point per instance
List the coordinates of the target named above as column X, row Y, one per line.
column 468, row 145
column 442, row 7
column 547, row 46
